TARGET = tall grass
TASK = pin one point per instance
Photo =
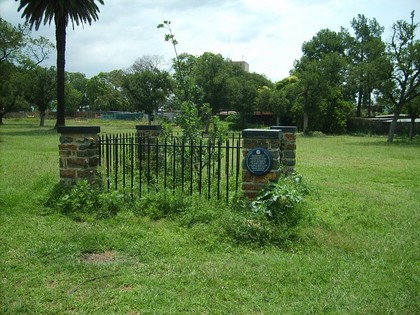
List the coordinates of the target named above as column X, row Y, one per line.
column 359, row 254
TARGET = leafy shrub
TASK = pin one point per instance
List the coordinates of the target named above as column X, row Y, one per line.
column 281, row 202
column 199, row 212
column 84, row 202
column 161, row 204
column 274, row 217
column 235, row 121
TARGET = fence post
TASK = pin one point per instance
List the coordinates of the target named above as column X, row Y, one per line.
column 261, row 164
column 287, row 148
column 79, row 154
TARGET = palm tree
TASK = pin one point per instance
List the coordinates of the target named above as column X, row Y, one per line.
column 61, row 12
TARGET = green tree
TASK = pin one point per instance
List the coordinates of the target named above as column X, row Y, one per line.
column 285, row 98
column 105, row 91
column 146, row 62
column 40, row 89
column 215, row 77
column 188, row 95
column 11, row 88
column 78, row 81
column 264, row 98
column 147, row 90
column 245, row 86
column 12, row 40
column 322, row 73
column 312, row 87
column 20, row 56
column 211, row 72
column 74, row 99
column 210, row 83
column 403, row 85
column 271, row 99
column 367, row 51
column 61, row 12
column 185, row 88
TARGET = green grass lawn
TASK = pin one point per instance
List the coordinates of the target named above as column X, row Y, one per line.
column 360, row 253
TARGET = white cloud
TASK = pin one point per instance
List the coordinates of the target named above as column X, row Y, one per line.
column 268, row 34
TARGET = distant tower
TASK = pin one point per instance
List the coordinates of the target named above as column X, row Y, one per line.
column 244, row 65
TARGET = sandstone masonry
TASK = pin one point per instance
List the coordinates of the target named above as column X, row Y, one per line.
column 79, row 154
column 280, row 141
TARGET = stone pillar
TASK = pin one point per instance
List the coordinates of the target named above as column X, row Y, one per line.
column 149, row 131
column 260, row 146
column 287, row 148
column 79, row 154
column 148, row 135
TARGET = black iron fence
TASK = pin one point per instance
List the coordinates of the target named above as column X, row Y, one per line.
column 136, row 164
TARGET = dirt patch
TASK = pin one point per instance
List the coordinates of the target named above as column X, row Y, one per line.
column 104, row 257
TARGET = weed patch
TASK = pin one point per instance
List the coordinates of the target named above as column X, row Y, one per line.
column 162, row 204
column 84, row 202
column 274, row 218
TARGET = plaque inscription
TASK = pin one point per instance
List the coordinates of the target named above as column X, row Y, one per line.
column 258, row 161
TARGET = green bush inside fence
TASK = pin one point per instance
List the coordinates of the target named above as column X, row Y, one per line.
column 138, row 164
column 274, row 218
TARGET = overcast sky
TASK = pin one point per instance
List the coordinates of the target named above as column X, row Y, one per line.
column 268, row 34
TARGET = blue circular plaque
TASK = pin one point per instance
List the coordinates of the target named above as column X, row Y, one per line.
column 258, row 161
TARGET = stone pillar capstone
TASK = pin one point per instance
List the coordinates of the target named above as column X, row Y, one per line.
column 150, row 132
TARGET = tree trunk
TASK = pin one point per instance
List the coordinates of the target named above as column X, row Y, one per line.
column 305, row 122
column 364, row 102
column 359, row 103
column 42, row 118
column 370, row 105
column 207, row 125
column 393, row 125
column 60, row 35
column 412, row 124
column 277, row 120
column 7, row 109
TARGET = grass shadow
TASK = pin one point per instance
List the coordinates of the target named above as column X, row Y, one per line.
column 382, row 142
column 19, row 130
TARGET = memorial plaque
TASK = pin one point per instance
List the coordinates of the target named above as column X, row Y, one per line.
column 258, row 161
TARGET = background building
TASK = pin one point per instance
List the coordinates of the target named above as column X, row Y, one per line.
column 244, row 65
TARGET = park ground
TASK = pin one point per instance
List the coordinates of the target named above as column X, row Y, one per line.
column 359, row 253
